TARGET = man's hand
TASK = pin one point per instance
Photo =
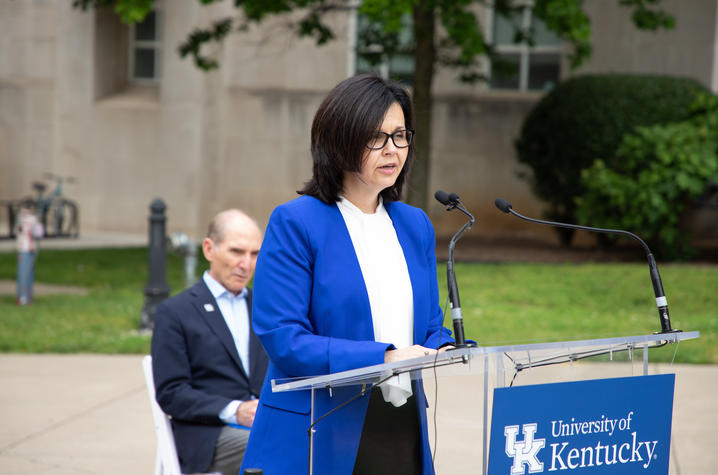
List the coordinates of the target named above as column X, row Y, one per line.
column 414, row 351
column 246, row 411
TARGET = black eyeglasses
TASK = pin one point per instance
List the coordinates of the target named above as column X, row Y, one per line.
column 400, row 138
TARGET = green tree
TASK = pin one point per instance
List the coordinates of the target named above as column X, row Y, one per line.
column 569, row 128
column 445, row 32
column 656, row 174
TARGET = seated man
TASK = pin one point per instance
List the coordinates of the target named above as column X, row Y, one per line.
column 208, row 364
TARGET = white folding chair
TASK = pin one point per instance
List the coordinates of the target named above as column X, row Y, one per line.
column 167, row 462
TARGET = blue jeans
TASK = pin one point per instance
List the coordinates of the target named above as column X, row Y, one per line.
column 25, row 276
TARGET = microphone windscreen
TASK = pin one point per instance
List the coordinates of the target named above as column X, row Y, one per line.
column 442, row 197
column 502, row 204
column 454, row 198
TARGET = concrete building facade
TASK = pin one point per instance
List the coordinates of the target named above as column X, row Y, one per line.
column 239, row 136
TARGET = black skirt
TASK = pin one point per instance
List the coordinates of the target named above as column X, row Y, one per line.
column 391, row 438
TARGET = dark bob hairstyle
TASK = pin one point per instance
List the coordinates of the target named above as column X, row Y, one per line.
column 345, row 122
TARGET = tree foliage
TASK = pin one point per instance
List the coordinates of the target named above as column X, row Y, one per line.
column 657, row 172
column 129, row 11
column 586, row 117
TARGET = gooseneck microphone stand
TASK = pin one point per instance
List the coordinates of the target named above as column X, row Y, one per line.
column 452, row 201
column 661, row 301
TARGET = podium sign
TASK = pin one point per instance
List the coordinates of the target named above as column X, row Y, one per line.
column 620, row 425
column 634, row 405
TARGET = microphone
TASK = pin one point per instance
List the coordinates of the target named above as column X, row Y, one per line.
column 449, row 199
column 661, row 301
column 452, row 201
column 442, row 197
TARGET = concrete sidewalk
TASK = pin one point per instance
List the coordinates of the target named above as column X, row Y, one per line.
column 74, row 414
column 89, row 414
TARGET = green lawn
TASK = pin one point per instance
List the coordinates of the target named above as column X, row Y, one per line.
column 502, row 303
column 507, row 303
column 104, row 321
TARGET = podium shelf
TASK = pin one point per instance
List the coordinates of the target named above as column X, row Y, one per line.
column 523, row 356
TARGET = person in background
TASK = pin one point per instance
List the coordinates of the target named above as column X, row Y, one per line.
column 208, row 364
column 27, row 230
column 346, row 278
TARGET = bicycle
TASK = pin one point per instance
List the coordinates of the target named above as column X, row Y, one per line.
column 58, row 214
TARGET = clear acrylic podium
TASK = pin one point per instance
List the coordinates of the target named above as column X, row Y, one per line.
column 492, row 367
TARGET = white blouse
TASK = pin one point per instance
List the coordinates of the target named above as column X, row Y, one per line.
column 388, row 285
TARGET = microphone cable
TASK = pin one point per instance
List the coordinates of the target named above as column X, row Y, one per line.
column 436, row 383
column 560, row 359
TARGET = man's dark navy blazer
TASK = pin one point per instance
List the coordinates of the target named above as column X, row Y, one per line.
column 197, row 371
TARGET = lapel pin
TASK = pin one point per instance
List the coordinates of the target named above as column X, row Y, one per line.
column 208, row 307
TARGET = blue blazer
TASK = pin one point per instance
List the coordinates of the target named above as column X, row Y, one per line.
column 197, row 371
column 312, row 313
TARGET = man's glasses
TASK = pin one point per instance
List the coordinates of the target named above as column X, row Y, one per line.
column 401, row 139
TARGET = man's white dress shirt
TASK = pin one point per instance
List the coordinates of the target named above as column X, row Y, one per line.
column 236, row 315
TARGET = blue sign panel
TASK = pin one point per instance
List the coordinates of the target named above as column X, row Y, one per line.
column 620, row 425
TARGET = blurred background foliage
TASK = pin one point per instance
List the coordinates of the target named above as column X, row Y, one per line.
column 625, row 151
column 657, row 172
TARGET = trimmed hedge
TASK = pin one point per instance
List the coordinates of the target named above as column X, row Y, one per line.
column 661, row 169
column 585, row 118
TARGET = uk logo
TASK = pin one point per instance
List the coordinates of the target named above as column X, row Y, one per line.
column 524, row 452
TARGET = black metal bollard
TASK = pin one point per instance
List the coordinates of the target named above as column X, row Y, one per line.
column 156, row 289
column 11, row 219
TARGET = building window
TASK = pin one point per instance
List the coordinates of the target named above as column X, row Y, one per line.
column 145, row 49
column 519, row 65
column 396, row 64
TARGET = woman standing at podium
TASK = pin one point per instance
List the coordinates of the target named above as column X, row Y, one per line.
column 346, row 278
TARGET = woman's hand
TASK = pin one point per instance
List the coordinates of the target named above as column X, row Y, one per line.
column 415, row 351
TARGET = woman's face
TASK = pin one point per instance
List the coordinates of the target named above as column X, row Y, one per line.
column 380, row 168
